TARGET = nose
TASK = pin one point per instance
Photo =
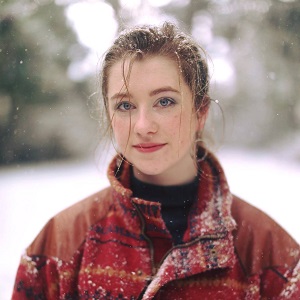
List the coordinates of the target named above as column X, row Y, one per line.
column 144, row 123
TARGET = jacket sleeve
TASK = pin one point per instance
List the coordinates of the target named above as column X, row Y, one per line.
column 280, row 283
column 37, row 278
column 291, row 289
column 49, row 270
column 267, row 252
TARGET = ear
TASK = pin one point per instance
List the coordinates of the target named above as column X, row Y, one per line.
column 201, row 119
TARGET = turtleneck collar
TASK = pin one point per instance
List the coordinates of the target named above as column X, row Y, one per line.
column 168, row 196
column 175, row 201
column 209, row 215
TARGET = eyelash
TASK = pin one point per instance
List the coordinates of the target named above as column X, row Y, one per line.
column 171, row 101
column 120, row 105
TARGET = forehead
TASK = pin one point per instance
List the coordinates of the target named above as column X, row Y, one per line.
column 148, row 73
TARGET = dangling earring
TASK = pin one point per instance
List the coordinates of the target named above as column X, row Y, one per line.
column 198, row 148
column 194, row 149
column 205, row 152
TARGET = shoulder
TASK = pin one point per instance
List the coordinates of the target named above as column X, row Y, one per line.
column 65, row 232
column 260, row 242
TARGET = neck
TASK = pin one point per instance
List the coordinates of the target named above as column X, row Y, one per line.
column 174, row 176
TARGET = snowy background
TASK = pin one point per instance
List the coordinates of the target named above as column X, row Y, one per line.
column 31, row 194
column 260, row 111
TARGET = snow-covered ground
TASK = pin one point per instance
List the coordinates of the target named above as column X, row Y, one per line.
column 31, row 194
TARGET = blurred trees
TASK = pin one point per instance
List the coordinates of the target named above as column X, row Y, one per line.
column 264, row 40
column 37, row 98
column 254, row 46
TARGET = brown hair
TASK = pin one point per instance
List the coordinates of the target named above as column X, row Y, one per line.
column 166, row 40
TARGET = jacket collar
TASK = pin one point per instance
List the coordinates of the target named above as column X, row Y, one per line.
column 210, row 215
column 208, row 241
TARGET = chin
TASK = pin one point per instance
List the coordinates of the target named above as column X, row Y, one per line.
column 148, row 171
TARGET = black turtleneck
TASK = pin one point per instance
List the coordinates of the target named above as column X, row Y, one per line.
column 175, row 201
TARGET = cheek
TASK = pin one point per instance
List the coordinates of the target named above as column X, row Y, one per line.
column 186, row 129
column 173, row 125
column 121, row 129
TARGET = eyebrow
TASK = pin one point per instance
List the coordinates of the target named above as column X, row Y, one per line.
column 120, row 96
column 163, row 89
column 152, row 93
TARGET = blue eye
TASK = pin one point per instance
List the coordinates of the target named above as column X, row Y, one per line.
column 164, row 102
column 124, row 106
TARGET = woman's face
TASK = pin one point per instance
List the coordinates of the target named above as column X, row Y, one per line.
column 153, row 120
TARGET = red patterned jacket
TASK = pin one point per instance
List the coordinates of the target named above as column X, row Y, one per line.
column 113, row 246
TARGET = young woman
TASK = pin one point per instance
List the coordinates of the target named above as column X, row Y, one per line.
column 168, row 226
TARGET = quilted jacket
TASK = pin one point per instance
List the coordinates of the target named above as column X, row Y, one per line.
column 114, row 246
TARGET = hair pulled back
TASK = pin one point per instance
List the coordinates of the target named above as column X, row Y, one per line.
column 168, row 41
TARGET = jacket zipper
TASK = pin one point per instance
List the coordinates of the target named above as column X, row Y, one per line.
column 185, row 245
column 153, row 269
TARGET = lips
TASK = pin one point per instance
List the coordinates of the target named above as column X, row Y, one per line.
column 148, row 147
